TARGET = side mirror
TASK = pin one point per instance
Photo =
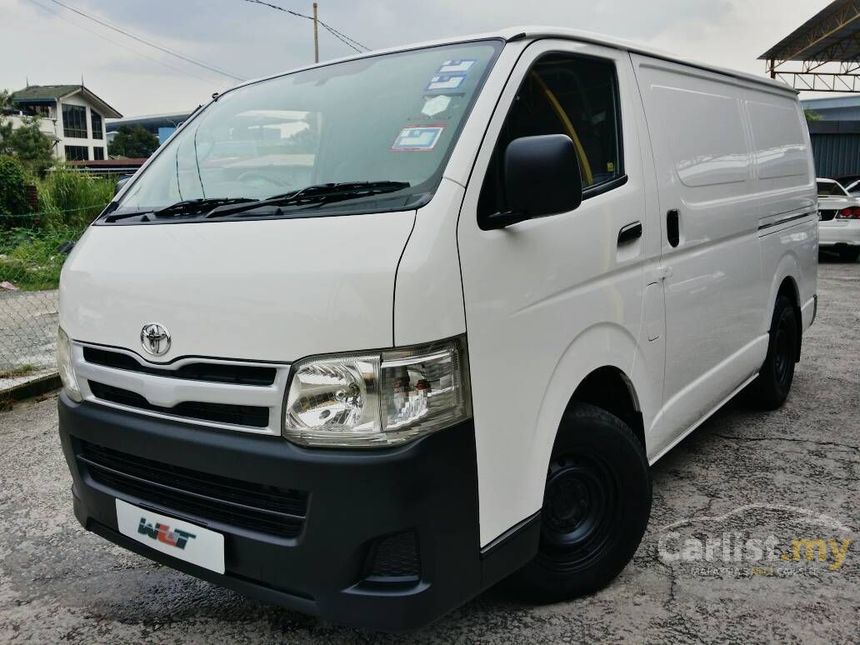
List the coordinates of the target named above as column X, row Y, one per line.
column 541, row 178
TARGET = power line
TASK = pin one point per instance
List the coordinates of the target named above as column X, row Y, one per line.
column 274, row 6
column 346, row 40
column 342, row 39
column 59, row 16
column 343, row 36
column 187, row 59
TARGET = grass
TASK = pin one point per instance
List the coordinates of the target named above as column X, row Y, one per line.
column 17, row 372
column 30, row 259
column 72, row 199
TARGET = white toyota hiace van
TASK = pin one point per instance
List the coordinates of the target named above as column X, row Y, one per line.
column 365, row 338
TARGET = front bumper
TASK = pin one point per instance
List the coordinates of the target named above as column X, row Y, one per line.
column 355, row 499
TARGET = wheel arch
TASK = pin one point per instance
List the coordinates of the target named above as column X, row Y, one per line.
column 610, row 389
column 788, row 287
column 786, row 281
column 604, row 356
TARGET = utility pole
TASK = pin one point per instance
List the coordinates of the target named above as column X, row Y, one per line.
column 316, row 36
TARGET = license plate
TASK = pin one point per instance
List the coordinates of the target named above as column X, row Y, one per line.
column 179, row 539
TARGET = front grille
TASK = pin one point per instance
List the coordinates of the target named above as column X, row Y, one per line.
column 826, row 215
column 244, row 415
column 257, row 507
column 211, row 372
column 394, row 558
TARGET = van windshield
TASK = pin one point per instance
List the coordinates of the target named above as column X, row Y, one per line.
column 374, row 132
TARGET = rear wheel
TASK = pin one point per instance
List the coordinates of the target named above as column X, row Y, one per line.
column 849, row 253
column 596, row 506
column 770, row 388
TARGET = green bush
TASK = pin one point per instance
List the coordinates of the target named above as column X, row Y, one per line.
column 73, row 199
column 31, row 256
column 13, row 197
column 31, row 259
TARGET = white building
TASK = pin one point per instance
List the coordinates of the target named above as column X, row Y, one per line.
column 71, row 115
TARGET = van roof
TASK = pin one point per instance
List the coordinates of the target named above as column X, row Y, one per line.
column 538, row 32
column 535, row 32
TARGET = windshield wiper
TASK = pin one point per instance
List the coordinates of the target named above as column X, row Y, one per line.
column 199, row 205
column 315, row 195
column 185, row 207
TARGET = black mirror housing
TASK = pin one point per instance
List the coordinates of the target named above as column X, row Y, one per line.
column 541, row 178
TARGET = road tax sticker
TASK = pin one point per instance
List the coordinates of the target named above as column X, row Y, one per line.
column 445, row 82
column 460, row 66
column 418, row 138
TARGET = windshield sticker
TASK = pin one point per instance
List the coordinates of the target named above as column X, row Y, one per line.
column 445, row 82
column 436, row 105
column 456, row 66
column 420, row 139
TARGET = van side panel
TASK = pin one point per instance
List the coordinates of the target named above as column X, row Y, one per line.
column 733, row 157
column 785, row 173
column 715, row 292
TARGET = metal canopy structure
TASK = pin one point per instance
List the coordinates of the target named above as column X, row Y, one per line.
column 825, row 51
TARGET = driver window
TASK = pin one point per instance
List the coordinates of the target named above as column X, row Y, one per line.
column 562, row 94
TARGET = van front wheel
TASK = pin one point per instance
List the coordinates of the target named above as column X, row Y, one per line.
column 596, row 506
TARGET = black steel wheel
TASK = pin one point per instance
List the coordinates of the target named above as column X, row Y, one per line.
column 771, row 387
column 597, row 501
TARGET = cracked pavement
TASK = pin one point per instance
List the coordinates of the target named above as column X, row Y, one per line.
column 786, row 475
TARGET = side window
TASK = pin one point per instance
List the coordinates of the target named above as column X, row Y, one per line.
column 562, row 94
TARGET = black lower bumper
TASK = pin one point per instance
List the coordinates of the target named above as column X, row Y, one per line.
column 359, row 504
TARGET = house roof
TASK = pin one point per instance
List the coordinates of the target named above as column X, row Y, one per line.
column 42, row 92
column 150, row 120
column 50, row 93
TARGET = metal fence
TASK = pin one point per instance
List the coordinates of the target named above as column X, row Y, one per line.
column 28, row 331
column 33, row 247
column 30, row 263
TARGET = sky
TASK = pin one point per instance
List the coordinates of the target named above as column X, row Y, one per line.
column 48, row 44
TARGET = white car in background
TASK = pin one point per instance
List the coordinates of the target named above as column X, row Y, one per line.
column 838, row 220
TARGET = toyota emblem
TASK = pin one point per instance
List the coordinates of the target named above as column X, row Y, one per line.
column 155, row 339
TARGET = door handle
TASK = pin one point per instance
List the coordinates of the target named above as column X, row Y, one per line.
column 673, row 230
column 629, row 233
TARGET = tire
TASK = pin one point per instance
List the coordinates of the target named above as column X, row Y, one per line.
column 596, row 506
column 771, row 387
column 849, row 253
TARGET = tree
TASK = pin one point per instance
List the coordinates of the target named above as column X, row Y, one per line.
column 30, row 145
column 27, row 142
column 811, row 116
column 13, row 199
column 133, row 141
column 5, row 126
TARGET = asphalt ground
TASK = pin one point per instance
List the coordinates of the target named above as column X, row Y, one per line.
column 752, row 537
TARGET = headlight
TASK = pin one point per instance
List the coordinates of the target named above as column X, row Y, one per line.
column 64, row 366
column 377, row 399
